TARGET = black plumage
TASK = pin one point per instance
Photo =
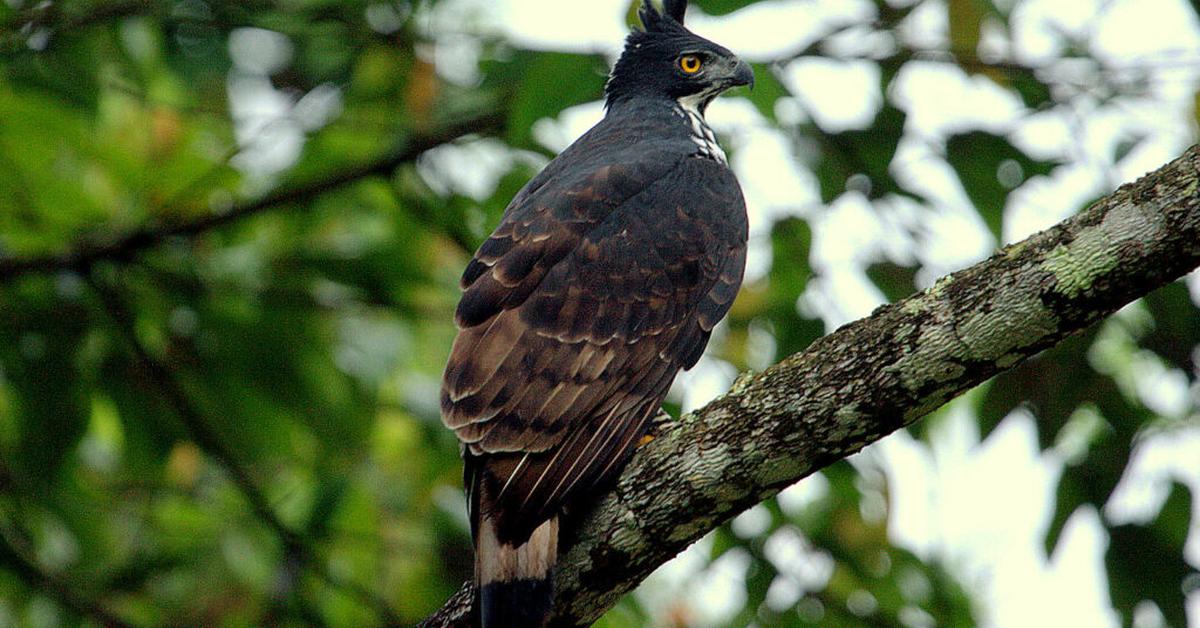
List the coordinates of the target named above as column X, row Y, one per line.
column 605, row 277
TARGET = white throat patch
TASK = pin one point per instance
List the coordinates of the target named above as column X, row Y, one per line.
column 702, row 134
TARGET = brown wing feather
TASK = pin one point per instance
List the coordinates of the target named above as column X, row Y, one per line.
column 576, row 315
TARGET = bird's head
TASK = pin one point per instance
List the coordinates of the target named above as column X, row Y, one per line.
column 667, row 61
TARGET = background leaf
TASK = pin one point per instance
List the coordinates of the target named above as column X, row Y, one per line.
column 989, row 168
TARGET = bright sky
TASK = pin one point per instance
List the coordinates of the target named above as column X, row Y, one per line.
column 982, row 507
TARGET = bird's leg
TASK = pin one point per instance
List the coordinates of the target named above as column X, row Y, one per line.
column 658, row 424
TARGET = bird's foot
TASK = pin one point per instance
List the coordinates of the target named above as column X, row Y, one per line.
column 659, row 424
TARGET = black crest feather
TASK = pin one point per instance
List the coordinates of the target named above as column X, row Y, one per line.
column 656, row 22
column 675, row 9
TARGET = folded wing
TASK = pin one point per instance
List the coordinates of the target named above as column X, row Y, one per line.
column 576, row 316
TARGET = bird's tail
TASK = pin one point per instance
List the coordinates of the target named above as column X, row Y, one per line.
column 516, row 583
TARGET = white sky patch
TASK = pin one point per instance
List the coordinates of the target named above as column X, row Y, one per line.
column 690, row 582
column 774, row 186
column 845, row 233
column 760, row 31
column 703, row 383
column 1043, row 203
column 941, row 99
column 1172, row 22
column 985, row 507
column 489, row 159
column 771, row 180
column 595, row 25
column 259, row 51
column 270, row 141
column 271, row 124
column 840, row 296
column 572, row 122
column 455, row 27
column 846, row 236
column 1039, row 25
column 955, row 239
column 926, row 27
column 1159, row 459
column 839, row 95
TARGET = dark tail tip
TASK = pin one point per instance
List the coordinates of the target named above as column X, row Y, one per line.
column 517, row 603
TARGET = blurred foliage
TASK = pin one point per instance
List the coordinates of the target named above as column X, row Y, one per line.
column 227, row 270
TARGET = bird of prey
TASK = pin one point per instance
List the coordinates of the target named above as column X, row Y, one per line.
column 604, row 278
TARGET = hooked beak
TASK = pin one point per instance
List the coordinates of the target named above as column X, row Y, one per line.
column 743, row 74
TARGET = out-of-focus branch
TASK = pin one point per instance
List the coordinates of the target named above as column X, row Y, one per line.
column 69, row 596
column 174, row 395
column 298, row 549
column 130, row 244
column 868, row 379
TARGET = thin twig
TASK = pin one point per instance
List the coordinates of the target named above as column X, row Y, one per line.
column 65, row 594
column 295, row 543
column 199, row 429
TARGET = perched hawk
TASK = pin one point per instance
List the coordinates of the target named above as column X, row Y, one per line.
column 604, row 278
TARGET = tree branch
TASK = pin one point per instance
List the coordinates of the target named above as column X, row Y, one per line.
column 870, row 378
column 67, row 594
column 129, row 244
column 299, row 551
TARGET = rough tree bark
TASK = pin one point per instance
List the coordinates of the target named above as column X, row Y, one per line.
column 870, row 378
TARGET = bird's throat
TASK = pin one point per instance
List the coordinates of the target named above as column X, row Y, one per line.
column 689, row 109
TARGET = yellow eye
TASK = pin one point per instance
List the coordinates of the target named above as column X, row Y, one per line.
column 690, row 64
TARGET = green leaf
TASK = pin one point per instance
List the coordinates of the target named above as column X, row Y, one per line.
column 867, row 152
column 1196, row 100
column 723, row 540
column 1126, row 146
column 1092, row 479
column 1052, row 386
column 40, row 369
column 895, row 281
column 791, row 244
column 767, row 90
column 1175, row 516
column 989, row 167
column 1146, row 562
column 1034, row 92
column 1090, row 482
column 71, row 74
column 549, row 83
column 966, row 24
column 1172, row 337
column 331, row 488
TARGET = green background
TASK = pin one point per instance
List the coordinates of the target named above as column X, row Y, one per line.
column 218, row 379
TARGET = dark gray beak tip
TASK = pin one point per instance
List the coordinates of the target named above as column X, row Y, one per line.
column 743, row 74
